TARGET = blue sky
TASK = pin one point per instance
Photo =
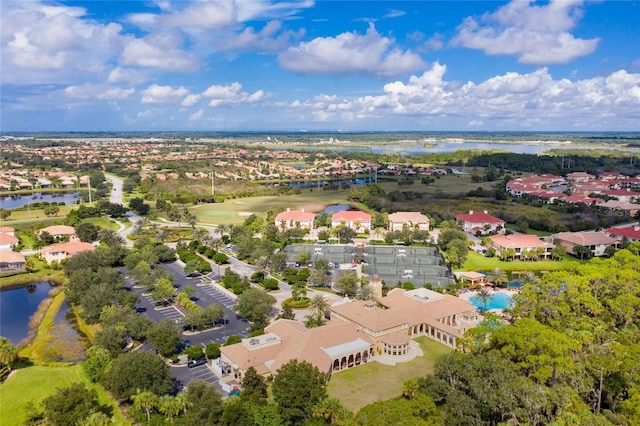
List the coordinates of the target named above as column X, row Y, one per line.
column 325, row 65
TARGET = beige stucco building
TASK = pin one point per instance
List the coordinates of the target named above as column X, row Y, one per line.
column 358, row 332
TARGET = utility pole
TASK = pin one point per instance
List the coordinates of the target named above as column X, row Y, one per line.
column 89, row 190
column 212, row 184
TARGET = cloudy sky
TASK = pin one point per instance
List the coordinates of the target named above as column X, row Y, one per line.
column 320, row 65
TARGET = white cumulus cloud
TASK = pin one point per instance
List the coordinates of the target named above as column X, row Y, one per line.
column 350, row 54
column 100, row 92
column 231, row 94
column 156, row 94
column 510, row 100
column 190, row 100
column 159, row 50
column 53, row 43
column 536, row 34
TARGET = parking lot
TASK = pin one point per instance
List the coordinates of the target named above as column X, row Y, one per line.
column 205, row 294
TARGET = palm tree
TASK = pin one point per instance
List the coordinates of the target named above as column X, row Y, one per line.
column 409, row 388
column 222, row 229
column 145, row 401
column 318, row 305
column 367, row 292
column 8, row 352
column 169, row 406
column 161, row 235
column 311, row 321
column 110, row 237
column 497, row 276
column 199, row 235
column 530, row 278
column 484, row 296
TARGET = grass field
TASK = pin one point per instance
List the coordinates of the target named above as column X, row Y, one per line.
column 476, row 261
column 236, row 211
column 446, row 183
column 28, row 215
column 33, row 384
column 103, row 222
column 360, row 386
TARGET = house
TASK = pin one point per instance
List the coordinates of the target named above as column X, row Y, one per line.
column 359, row 331
column 59, row 252
column 60, row 232
column 525, row 246
column 579, row 177
column 480, row 223
column 11, row 261
column 576, row 199
column 631, row 233
column 412, row 220
column 7, row 240
column 620, row 208
column 595, row 241
column 624, row 195
column 295, row 219
column 357, row 220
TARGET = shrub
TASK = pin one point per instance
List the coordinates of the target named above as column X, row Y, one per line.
column 302, row 303
column 212, row 350
column 194, row 352
column 270, row 284
column 220, row 258
column 205, row 267
column 257, row 277
column 234, row 338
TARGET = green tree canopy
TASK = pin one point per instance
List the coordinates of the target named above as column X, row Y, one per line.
column 254, row 304
column 348, row 282
column 70, row 405
column 138, row 370
column 297, row 388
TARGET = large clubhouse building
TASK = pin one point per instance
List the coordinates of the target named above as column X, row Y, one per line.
column 358, row 331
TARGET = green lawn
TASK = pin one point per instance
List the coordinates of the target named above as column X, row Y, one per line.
column 36, row 383
column 236, row 211
column 360, row 386
column 446, row 184
column 103, row 222
column 476, row 261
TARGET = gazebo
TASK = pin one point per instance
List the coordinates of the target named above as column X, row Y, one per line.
column 470, row 276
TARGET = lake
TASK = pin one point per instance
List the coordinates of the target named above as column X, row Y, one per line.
column 437, row 147
column 335, row 208
column 15, row 201
column 16, row 307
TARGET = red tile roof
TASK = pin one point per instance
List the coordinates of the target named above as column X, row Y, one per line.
column 8, row 239
column 631, row 232
column 70, row 248
column 478, row 217
column 295, row 216
column 7, row 256
column 351, row 216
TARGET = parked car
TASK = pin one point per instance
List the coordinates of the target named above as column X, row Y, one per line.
column 196, row 362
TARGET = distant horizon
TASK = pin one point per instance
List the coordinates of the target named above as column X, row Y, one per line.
column 327, row 132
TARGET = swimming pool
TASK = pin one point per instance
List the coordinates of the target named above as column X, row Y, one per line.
column 499, row 300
